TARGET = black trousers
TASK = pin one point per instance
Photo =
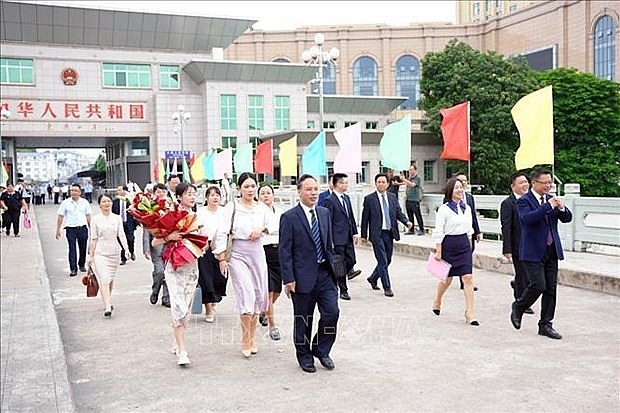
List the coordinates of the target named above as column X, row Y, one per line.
column 413, row 210
column 521, row 280
column 348, row 252
column 11, row 218
column 543, row 280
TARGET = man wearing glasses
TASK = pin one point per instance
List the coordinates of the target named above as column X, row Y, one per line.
column 540, row 249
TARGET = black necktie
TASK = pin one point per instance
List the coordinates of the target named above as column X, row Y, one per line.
column 549, row 236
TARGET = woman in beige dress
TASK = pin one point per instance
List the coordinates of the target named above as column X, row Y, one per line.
column 106, row 229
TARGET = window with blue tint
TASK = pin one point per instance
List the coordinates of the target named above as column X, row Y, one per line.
column 126, row 75
column 365, row 81
column 329, row 79
column 605, row 48
column 256, row 117
column 429, row 171
column 169, row 77
column 408, row 81
column 16, row 71
column 228, row 112
column 283, row 113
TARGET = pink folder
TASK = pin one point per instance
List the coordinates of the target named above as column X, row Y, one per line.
column 438, row 268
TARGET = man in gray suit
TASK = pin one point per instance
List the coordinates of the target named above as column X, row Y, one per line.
column 154, row 255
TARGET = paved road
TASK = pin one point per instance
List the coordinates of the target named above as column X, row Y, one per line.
column 392, row 354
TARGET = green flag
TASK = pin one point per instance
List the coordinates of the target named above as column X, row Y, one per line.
column 314, row 158
column 243, row 159
column 395, row 145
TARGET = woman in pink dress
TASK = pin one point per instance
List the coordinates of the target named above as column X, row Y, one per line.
column 106, row 230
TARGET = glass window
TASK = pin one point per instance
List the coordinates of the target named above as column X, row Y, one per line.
column 408, row 80
column 371, row 125
column 349, row 123
column 361, row 178
column 283, row 113
column 126, row 76
column 605, row 48
column 429, row 171
column 310, row 124
column 476, row 9
column 169, row 77
column 329, row 79
column 229, row 142
column 329, row 124
column 228, row 112
column 256, row 119
column 17, row 71
column 365, row 77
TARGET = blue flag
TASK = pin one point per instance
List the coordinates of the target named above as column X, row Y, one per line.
column 314, row 158
column 208, row 165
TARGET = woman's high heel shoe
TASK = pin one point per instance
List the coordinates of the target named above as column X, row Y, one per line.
column 471, row 322
column 436, row 309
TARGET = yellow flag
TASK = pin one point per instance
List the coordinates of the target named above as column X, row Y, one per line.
column 198, row 169
column 288, row 157
column 533, row 115
column 161, row 172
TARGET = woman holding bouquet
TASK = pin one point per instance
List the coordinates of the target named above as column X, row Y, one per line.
column 212, row 282
column 247, row 267
column 181, row 279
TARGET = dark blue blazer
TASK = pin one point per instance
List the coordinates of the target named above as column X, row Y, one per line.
column 373, row 217
column 511, row 227
column 131, row 224
column 469, row 198
column 343, row 225
column 534, row 227
column 296, row 250
column 323, row 196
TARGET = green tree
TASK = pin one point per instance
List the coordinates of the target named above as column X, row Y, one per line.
column 493, row 85
column 99, row 164
column 586, row 118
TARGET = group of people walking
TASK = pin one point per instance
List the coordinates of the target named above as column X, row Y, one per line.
column 263, row 251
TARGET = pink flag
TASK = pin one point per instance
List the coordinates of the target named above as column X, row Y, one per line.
column 223, row 163
column 349, row 157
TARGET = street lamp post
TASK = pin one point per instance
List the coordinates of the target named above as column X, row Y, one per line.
column 179, row 117
column 5, row 114
column 315, row 55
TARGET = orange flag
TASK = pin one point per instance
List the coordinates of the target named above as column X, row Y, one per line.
column 455, row 131
column 263, row 160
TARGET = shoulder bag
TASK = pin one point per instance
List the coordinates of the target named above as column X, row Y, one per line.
column 229, row 236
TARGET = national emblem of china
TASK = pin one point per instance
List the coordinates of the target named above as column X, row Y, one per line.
column 69, row 76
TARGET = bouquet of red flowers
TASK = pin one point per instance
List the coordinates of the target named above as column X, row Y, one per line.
column 161, row 219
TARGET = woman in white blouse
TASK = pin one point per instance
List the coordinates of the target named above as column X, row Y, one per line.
column 247, row 266
column 212, row 282
column 270, row 245
column 452, row 236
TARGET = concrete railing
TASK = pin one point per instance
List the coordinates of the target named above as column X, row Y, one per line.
column 595, row 225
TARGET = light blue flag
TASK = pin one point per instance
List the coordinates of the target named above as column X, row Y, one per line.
column 314, row 158
column 395, row 145
column 208, row 164
column 242, row 160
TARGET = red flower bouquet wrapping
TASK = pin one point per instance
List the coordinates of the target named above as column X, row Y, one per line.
column 161, row 219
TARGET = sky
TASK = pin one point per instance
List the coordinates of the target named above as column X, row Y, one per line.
column 287, row 15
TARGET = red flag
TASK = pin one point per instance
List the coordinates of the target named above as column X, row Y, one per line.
column 455, row 131
column 263, row 161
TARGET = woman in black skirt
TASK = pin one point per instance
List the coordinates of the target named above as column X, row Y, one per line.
column 452, row 236
column 211, row 281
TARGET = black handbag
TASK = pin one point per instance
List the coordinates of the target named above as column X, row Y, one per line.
column 338, row 266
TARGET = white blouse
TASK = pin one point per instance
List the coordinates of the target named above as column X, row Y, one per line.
column 447, row 222
column 273, row 236
column 246, row 220
column 210, row 220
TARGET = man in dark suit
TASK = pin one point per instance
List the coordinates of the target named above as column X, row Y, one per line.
column 469, row 199
column 539, row 250
column 511, row 232
column 120, row 205
column 381, row 213
column 305, row 251
column 344, row 228
column 325, row 194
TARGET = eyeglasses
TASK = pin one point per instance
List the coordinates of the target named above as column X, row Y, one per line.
column 544, row 183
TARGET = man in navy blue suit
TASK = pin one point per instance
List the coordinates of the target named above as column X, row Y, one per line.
column 539, row 250
column 325, row 194
column 381, row 213
column 344, row 228
column 305, row 251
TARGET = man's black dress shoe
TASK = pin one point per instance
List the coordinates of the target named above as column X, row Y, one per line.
column 82, row 269
column 548, row 331
column 72, row 273
column 388, row 292
column 308, row 368
column 153, row 298
column 515, row 317
column 372, row 283
column 353, row 274
column 133, row 256
column 123, row 263
column 327, row 362
column 345, row 296
column 528, row 311
column 165, row 303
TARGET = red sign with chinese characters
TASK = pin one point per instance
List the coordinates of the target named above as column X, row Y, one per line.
column 83, row 111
